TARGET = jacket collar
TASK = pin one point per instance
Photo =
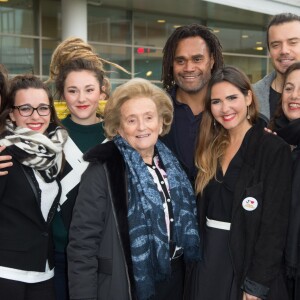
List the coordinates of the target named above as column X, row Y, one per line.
column 102, row 152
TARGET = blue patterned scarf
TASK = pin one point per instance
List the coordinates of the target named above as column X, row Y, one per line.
column 147, row 226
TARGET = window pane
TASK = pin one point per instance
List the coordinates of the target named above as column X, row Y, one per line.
column 154, row 30
column 148, row 63
column 244, row 41
column 51, row 18
column 48, row 47
column 255, row 68
column 118, row 55
column 108, row 25
column 20, row 55
column 19, row 17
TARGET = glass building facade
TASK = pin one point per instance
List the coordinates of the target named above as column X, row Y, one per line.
column 132, row 37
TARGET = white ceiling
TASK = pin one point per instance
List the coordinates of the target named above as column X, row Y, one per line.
column 289, row 2
column 270, row 7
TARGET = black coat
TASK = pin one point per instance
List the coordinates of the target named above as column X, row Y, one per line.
column 257, row 238
column 99, row 257
column 25, row 237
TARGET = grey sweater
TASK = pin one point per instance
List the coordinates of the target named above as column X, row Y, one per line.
column 262, row 91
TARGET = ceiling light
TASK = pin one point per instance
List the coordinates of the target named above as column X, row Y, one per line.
column 216, row 30
column 259, row 48
column 245, row 36
column 258, row 43
column 149, row 73
column 161, row 21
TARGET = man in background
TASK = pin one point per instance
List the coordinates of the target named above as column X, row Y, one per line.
column 283, row 40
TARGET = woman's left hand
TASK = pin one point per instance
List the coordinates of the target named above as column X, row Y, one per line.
column 270, row 131
column 250, row 297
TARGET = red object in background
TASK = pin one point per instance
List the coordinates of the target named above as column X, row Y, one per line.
column 141, row 50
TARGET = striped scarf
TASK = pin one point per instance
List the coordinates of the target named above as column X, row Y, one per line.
column 36, row 150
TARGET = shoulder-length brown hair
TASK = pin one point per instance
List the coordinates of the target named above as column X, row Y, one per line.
column 24, row 82
column 214, row 138
column 279, row 111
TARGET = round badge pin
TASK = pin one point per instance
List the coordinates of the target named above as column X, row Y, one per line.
column 249, row 203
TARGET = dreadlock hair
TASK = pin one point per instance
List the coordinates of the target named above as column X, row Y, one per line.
column 281, row 19
column 183, row 32
column 74, row 48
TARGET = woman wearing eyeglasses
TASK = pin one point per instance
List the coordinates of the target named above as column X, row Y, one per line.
column 29, row 193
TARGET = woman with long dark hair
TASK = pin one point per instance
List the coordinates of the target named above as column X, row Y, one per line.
column 243, row 188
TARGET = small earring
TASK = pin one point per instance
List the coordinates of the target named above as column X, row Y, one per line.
column 248, row 115
column 215, row 123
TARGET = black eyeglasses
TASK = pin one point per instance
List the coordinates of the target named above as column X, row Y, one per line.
column 27, row 110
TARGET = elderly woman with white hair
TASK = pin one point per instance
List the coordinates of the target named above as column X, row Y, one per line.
column 134, row 222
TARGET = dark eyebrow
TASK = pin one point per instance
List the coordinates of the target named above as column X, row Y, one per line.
column 291, row 39
column 193, row 56
column 232, row 95
column 197, row 55
column 275, row 42
column 179, row 57
column 289, row 83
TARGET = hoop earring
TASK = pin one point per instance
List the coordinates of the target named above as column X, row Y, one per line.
column 248, row 115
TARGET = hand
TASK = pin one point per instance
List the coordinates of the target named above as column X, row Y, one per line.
column 4, row 161
column 270, row 131
column 250, row 297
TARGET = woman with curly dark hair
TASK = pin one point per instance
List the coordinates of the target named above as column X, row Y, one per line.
column 286, row 124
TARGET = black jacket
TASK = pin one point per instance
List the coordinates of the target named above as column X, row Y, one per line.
column 99, row 257
column 257, row 238
column 290, row 132
column 25, row 237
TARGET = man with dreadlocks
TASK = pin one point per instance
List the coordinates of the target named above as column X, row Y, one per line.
column 190, row 56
